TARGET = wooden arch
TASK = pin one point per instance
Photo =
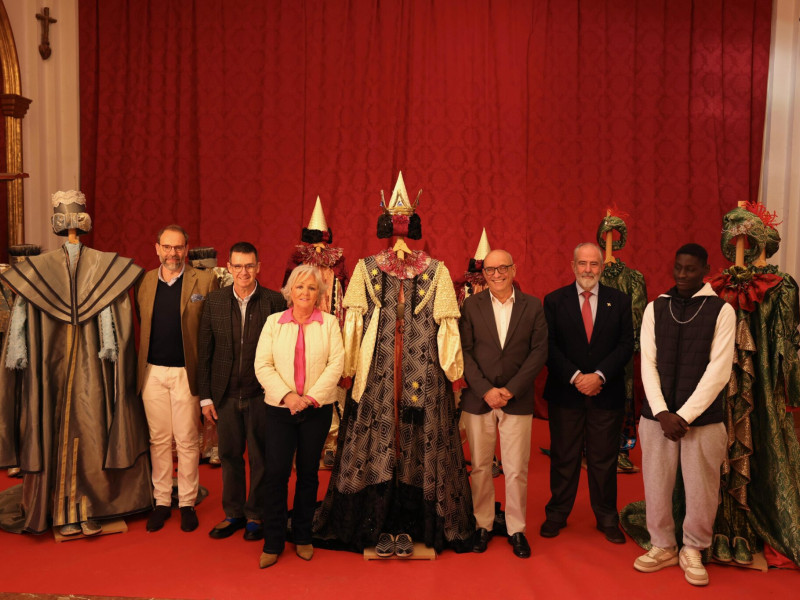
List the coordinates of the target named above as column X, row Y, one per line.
column 13, row 107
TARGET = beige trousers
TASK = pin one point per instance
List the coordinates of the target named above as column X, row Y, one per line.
column 515, row 451
column 700, row 452
column 172, row 411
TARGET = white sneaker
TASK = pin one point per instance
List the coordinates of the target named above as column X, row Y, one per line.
column 692, row 566
column 656, row 559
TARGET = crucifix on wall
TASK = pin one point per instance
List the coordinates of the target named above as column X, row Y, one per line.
column 46, row 19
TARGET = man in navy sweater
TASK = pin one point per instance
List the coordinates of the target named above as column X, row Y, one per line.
column 169, row 302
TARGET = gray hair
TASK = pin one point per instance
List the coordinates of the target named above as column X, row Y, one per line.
column 301, row 272
column 584, row 244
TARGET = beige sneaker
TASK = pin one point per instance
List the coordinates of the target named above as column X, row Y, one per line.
column 692, row 566
column 656, row 559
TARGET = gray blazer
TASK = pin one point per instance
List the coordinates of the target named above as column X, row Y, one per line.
column 514, row 366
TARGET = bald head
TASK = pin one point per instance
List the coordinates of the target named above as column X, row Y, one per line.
column 500, row 283
column 501, row 257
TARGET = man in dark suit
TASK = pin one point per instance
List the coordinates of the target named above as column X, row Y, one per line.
column 590, row 341
column 229, row 390
column 504, row 340
column 169, row 302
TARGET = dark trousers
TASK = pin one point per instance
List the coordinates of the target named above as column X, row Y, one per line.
column 284, row 434
column 240, row 425
column 572, row 429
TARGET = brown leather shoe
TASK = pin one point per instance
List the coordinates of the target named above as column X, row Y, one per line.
column 305, row 551
column 267, row 560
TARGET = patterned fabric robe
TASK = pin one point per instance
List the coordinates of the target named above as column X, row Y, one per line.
column 399, row 465
column 70, row 418
column 774, row 490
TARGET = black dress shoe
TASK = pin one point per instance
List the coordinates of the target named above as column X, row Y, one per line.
column 480, row 540
column 189, row 520
column 551, row 529
column 254, row 531
column 157, row 518
column 520, row 545
column 613, row 533
column 226, row 528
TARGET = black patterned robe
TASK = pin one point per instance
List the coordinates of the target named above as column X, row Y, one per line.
column 412, row 479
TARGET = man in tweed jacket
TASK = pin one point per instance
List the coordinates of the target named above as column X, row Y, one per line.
column 230, row 393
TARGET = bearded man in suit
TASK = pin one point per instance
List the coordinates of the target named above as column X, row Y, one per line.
column 504, row 341
column 590, row 341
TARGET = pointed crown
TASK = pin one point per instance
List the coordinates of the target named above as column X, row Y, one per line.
column 483, row 247
column 399, row 204
column 317, row 221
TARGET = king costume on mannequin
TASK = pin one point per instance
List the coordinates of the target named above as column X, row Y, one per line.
column 69, row 364
column 399, row 472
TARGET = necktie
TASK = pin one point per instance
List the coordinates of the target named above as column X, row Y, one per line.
column 586, row 313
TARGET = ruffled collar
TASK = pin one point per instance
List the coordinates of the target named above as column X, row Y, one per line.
column 408, row 268
column 318, row 256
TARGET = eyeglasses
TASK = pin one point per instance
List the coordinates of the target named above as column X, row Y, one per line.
column 178, row 249
column 502, row 269
column 238, row 268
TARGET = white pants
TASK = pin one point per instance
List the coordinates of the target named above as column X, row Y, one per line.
column 515, row 450
column 172, row 411
column 701, row 452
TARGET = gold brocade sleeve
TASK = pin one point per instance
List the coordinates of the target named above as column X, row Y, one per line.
column 449, row 342
column 355, row 303
column 446, row 314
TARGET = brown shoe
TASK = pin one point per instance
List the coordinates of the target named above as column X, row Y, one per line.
column 305, row 551
column 267, row 560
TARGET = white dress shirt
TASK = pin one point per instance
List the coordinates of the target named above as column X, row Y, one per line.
column 502, row 315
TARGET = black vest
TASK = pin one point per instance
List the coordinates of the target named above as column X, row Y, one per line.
column 166, row 336
column 683, row 350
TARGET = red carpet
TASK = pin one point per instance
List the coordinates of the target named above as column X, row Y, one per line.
column 173, row 564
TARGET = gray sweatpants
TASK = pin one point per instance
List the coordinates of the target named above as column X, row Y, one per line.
column 701, row 452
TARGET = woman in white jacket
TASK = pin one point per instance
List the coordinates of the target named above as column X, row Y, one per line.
column 299, row 362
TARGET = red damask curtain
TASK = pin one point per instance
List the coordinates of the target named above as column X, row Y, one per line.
column 528, row 118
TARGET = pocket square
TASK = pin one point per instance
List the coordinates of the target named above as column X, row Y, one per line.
column 197, row 298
